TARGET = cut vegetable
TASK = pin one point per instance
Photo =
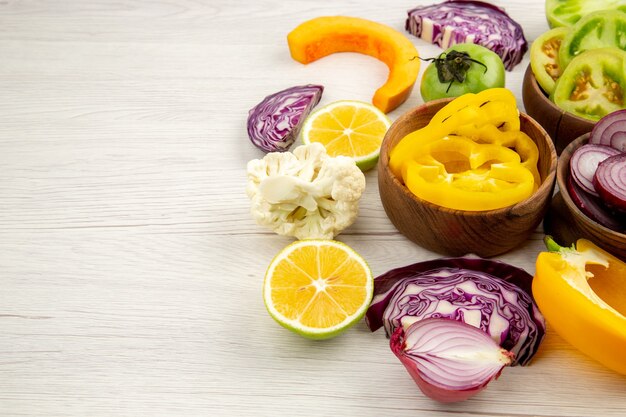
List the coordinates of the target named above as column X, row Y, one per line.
column 584, row 163
column 600, row 29
column 449, row 360
column 456, row 172
column 489, row 295
column 610, row 182
column 593, row 84
column 471, row 156
column 274, row 123
column 581, row 292
column 305, row 193
column 452, row 22
column 322, row 36
column 592, row 207
column 544, row 58
column 611, row 131
column 494, row 106
column 568, row 12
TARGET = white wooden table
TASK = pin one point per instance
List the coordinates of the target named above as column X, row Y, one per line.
column 130, row 267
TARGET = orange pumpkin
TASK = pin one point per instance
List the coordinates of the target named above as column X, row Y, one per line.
column 326, row 35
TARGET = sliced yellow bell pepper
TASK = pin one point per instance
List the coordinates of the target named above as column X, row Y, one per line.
column 581, row 292
column 458, row 173
column 502, row 96
column 491, row 164
column 495, row 106
column 520, row 141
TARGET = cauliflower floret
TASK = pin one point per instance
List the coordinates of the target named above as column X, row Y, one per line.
column 306, row 194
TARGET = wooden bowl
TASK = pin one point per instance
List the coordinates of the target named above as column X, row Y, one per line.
column 457, row 232
column 567, row 223
column 563, row 127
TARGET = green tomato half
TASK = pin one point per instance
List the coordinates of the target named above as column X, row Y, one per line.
column 567, row 12
column 602, row 29
column 476, row 79
column 593, row 84
column 544, row 58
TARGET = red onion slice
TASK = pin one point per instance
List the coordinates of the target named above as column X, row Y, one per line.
column 449, row 360
column 618, row 141
column 610, row 182
column 611, row 131
column 592, row 207
column 584, row 163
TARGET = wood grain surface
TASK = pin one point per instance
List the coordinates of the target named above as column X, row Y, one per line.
column 130, row 267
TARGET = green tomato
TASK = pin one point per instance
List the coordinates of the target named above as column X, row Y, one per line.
column 567, row 12
column 544, row 58
column 450, row 77
column 593, row 84
column 602, row 29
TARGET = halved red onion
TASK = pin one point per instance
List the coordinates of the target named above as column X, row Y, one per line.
column 592, row 207
column 274, row 123
column 611, row 131
column 584, row 163
column 449, row 360
column 610, row 181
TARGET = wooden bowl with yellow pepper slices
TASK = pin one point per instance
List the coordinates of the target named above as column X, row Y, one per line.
column 467, row 175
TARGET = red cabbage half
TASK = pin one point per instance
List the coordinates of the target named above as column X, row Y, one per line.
column 491, row 295
column 460, row 21
column 274, row 123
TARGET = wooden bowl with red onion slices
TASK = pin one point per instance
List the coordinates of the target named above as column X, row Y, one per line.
column 567, row 221
column 458, row 232
column 563, row 127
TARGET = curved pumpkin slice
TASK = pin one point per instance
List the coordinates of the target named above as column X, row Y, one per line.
column 325, row 35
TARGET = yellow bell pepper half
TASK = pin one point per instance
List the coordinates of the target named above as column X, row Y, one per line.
column 581, row 292
column 458, row 173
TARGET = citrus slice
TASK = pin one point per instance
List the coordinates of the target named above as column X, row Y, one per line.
column 350, row 128
column 318, row 288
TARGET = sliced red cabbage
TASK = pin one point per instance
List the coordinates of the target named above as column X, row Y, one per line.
column 460, row 21
column 491, row 295
column 274, row 124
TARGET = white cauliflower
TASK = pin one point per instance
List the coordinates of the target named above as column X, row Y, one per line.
column 307, row 194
